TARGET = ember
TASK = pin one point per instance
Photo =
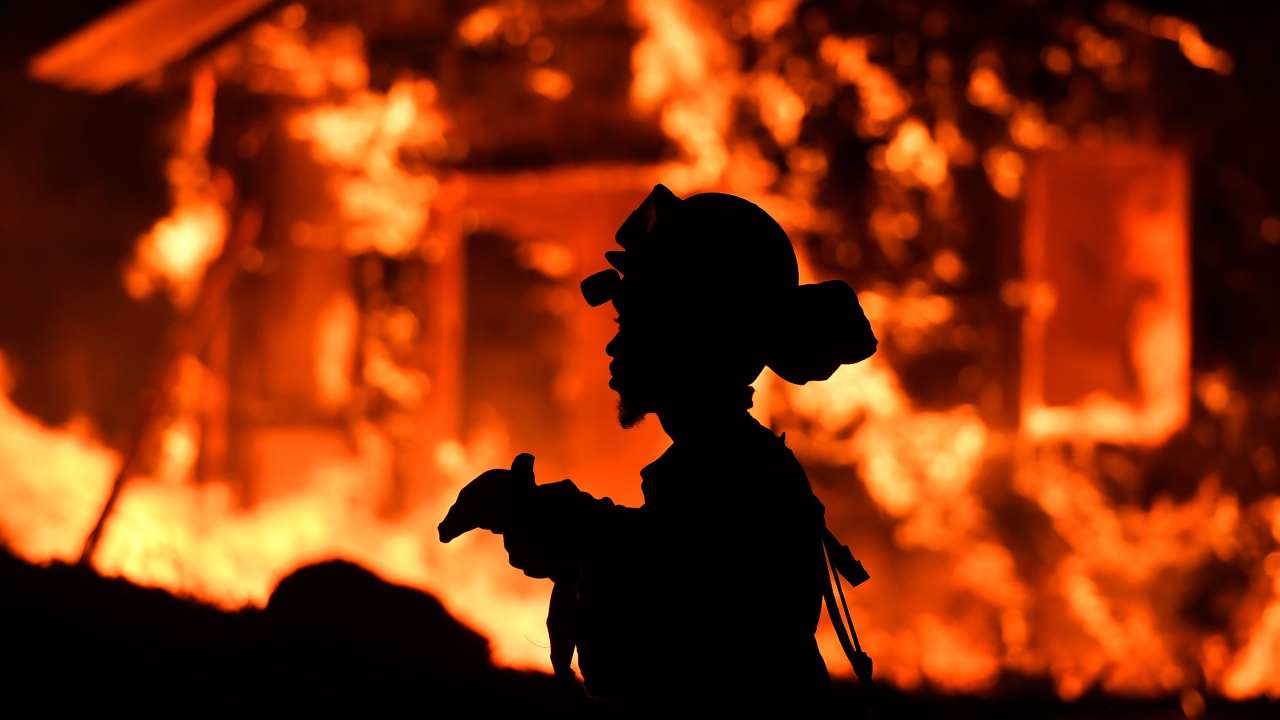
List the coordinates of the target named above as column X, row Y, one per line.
column 1061, row 465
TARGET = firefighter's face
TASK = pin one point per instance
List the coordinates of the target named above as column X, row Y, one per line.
column 657, row 358
column 629, row 374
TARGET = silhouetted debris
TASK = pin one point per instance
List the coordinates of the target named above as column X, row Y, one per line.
column 336, row 638
column 333, row 637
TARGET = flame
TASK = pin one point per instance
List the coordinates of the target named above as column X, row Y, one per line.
column 908, row 458
column 1100, row 614
column 1004, row 170
column 482, row 25
column 1057, row 59
column 682, row 69
column 1252, row 671
column 1095, row 50
column 914, row 154
column 174, row 253
column 384, row 203
column 53, row 479
column 283, row 58
column 883, row 99
column 986, row 90
column 360, row 133
column 994, row 549
column 196, row 540
column 1186, row 34
column 781, row 108
column 550, row 83
column 337, row 330
column 1028, row 127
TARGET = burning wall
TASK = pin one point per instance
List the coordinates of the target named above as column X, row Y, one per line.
column 332, row 405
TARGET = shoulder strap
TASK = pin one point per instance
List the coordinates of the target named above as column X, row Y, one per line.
column 837, row 562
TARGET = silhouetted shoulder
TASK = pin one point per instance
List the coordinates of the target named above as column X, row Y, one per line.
column 772, row 473
column 743, row 465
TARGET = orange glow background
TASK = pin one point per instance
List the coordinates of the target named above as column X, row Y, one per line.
column 997, row 466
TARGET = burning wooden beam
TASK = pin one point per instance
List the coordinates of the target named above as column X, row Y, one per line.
column 136, row 40
column 186, row 337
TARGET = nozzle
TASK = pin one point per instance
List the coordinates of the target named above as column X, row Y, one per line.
column 452, row 526
column 481, row 498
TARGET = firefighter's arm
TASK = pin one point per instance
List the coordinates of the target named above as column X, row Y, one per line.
column 545, row 528
column 551, row 534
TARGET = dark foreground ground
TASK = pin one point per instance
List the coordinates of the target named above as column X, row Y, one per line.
column 336, row 639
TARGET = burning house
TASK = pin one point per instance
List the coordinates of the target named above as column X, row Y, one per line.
column 261, row 257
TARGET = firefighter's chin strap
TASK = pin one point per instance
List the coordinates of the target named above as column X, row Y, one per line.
column 838, row 562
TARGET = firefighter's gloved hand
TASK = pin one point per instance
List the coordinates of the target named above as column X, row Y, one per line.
column 545, row 537
column 492, row 501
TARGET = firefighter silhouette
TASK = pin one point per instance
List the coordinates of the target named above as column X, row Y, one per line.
column 709, row 594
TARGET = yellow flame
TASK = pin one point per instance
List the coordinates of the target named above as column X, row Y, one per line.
column 954, row 604
column 385, row 205
column 683, row 69
column 781, row 109
column 196, row 539
column 914, row 154
column 174, row 253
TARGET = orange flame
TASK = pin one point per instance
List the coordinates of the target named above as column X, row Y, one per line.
column 957, row 598
column 385, row 205
column 1194, row 47
column 682, row 69
column 195, row 540
column 175, row 252
column 883, row 100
